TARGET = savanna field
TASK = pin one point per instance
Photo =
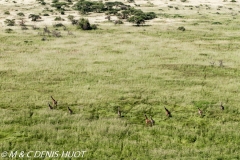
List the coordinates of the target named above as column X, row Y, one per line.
column 185, row 59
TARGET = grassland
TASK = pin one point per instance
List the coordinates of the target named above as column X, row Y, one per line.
column 140, row 70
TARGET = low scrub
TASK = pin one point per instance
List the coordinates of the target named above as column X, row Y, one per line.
column 85, row 25
column 10, row 22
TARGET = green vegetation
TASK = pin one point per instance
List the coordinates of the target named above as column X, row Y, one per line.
column 34, row 17
column 181, row 28
column 137, row 69
column 7, row 12
column 85, row 25
column 8, row 30
column 59, row 5
column 89, row 6
column 139, row 17
column 21, row 14
column 58, row 18
column 10, row 22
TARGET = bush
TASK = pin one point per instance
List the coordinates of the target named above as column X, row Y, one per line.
column 58, row 5
column 217, row 23
column 89, row 6
column 8, row 30
column 7, row 12
column 34, row 17
column 85, row 25
column 43, row 3
column 9, row 22
column 137, row 19
column 181, row 28
column 150, row 15
column 58, row 18
column 58, row 25
column 70, row 17
column 21, row 14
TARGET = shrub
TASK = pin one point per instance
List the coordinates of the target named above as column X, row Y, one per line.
column 88, row 6
column 85, row 25
column 21, row 14
column 137, row 19
column 45, row 14
column 34, row 17
column 43, row 3
column 58, row 18
column 9, row 22
column 112, row 11
column 181, row 28
column 7, row 12
column 124, row 14
column 8, row 30
column 59, row 5
column 58, row 25
column 150, row 15
column 217, row 23
column 70, row 17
